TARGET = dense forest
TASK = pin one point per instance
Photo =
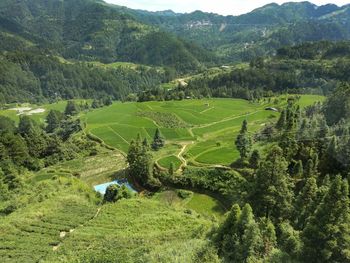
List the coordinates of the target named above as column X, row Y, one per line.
column 35, row 77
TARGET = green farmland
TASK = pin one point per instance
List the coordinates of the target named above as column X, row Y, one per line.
column 203, row 130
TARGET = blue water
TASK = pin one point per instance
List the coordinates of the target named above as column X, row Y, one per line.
column 101, row 188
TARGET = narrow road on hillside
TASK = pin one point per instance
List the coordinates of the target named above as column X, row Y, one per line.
column 180, row 155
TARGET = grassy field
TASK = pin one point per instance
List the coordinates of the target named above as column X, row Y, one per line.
column 63, row 223
column 39, row 117
column 104, row 167
column 202, row 204
column 201, row 131
column 138, row 230
column 207, row 128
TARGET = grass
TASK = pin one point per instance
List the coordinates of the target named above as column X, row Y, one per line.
column 166, row 161
column 104, row 167
column 210, row 124
column 136, row 230
column 63, row 223
column 202, row 204
column 31, row 233
column 39, row 117
column 206, row 205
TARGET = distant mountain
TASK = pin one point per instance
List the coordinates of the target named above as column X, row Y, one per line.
column 258, row 32
column 92, row 30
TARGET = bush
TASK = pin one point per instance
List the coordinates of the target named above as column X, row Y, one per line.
column 115, row 192
column 184, row 194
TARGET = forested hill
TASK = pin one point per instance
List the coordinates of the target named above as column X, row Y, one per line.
column 258, row 32
column 91, row 30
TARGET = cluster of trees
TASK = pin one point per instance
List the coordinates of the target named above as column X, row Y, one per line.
column 140, row 160
column 36, row 77
column 286, row 72
column 316, row 50
column 32, row 146
column 298, row 195
column 116, row 192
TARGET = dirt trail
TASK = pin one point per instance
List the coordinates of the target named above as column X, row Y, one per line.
column 180, row 155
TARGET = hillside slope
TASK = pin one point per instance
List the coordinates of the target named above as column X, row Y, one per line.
column 260, row 31
column 92, row 30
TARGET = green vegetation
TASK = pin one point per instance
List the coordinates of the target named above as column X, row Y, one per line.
column 209, row 136
column 167, row 161
column 243, row 162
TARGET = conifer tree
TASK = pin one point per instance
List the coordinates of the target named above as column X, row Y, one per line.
column 272, row 195
column 71, row 109
column 254, row 160
column 281, row 123
column 145, row 143
column 306, row 202
column 239, row 238
column 327, row 233
column 244, row 141
column 158, row 140
column 171, row 168
column 53, row 121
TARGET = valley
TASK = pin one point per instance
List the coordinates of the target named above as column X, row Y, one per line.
column 137, row 136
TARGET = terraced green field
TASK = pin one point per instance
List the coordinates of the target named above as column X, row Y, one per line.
column 137, row 230
column 207, row 129
column 67, row 225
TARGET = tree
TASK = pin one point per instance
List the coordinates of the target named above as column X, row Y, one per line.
column 254, row 160
column 244, row 141
column 290, row 240
column 282, row 121
column 158, row 140
column 241, row 239
column 53, row 121
column 329, row 227
column 141, row 164
column 171, row 168
column 26, row 125
column 95, row 104
column 115, row 192
column 145, row 144
column 337, row 106
column 71, row 109
column 7, row 125
column 273, row 195
column 306, row 202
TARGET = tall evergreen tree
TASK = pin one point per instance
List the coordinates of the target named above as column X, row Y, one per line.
column 329, row 227
column 71, row 109
column 53, row 121
column 255, row 159
column 243, row 141
column 306, row 204
column 273, row 195
column 282, row 121
column 158, row 140
column 239, row 238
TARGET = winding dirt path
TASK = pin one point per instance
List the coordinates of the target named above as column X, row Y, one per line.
column 180, row 155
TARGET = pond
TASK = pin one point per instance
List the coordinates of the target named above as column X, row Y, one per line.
column 101, row 188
